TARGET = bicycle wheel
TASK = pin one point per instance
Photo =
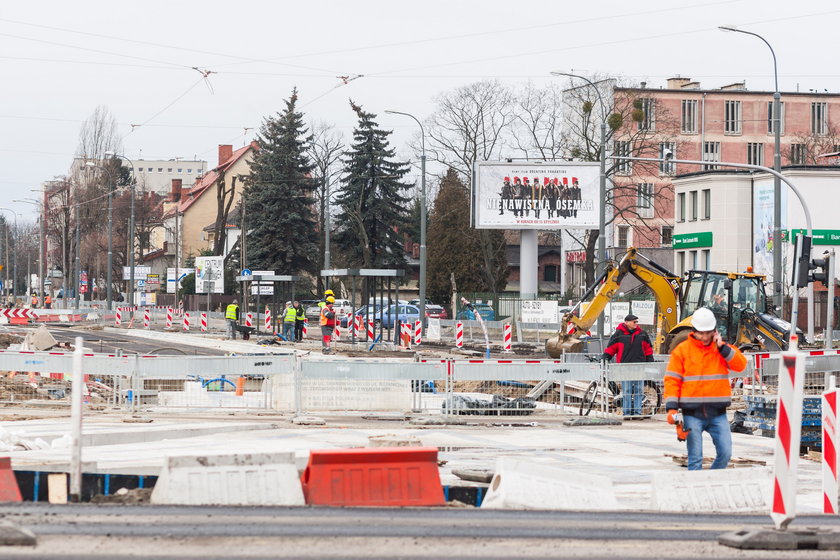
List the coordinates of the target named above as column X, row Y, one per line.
column 651, row 399
column 588, row 399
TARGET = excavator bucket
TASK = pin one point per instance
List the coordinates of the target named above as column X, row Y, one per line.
column 559, row 344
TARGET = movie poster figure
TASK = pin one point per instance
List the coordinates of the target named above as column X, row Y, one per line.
column 517, row 194
column 525, row 195
column 552, row 193
column 506, row 196
column 575, row 195
column 536, row 196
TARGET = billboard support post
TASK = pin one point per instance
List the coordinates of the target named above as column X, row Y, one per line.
column 528, row 263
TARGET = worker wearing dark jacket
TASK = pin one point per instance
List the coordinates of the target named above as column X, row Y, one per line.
column 300, row 319
column 629, row 344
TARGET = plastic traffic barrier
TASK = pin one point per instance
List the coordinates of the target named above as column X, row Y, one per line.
column 382, row 476
column 830, row 448
column 9, row 491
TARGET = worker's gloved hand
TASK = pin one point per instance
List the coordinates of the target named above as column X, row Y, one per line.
column 605, row 358
column 675, row 417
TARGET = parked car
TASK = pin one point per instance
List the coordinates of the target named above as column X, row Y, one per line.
column 371, row 311
column 482, row 309
column 341, row 307
column 402, row 313
column 436, row 311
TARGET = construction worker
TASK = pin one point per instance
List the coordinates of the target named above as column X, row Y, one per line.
column 232, row 315
column 47, row 302
column 629, row 344
column 34, row 302
column 323, row 302
column 300, row 319
column 289, row 318
column 697, row 390
column 327, row 324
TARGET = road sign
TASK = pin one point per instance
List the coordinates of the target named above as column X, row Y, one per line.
column 246, row 272
column 153, row 279
column 18, row 313
column 141, row 283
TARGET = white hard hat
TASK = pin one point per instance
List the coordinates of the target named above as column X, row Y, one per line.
column 288, row 303
column 704, row 320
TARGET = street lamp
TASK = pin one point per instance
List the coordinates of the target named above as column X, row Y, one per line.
column 14, row 254
column 422, row 215
column 41, row 263
column 777, row 167
column 130, row 232
column 109, row 297
column 602, row 190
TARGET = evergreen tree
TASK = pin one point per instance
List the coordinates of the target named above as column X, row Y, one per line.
column 282, row 232
column 455, row 247
column 373, row 209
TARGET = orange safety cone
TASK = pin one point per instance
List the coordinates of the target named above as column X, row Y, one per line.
column 9, row 491
column 382, row 476
column 240, row 386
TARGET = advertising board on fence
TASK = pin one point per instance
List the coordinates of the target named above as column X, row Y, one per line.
column 644, row 310
column 537, row 311
column 209, row 275
column 535, row 195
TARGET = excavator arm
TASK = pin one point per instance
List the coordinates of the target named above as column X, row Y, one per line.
column 664, row 285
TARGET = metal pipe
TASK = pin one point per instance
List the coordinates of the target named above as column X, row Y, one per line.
column 76, row 423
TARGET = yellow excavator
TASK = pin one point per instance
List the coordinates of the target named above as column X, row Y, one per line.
column 738, row 300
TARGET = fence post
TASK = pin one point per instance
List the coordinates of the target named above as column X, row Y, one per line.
column 135, row 382
column 76, row 421
column 298, row 379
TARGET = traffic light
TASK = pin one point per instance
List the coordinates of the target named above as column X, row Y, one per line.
column 820, row 270
column 803, row 259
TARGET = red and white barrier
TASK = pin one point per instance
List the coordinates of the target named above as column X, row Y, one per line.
column 186, row 322
column 371, row 332
column 418, row 332
column 203, row 321
column 168, row 317
column 304, row 328
column 118, row 317
column 788, row 434
column 459, row 334
column 357, row 326
column 146, row 318
column 405, row 335
column 830, row 449
column 268, row 326
column 507, row 337
column 336, row 332
column 249, row 318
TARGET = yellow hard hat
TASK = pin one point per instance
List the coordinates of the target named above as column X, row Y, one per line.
column 329, row 293
column 330, row 299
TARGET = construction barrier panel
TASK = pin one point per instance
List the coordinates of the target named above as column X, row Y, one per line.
column 382, row 476
column 743, row 490
column 830, row 448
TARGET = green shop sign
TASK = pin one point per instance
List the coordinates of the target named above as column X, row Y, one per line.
column 692, row 240
column 821, row 236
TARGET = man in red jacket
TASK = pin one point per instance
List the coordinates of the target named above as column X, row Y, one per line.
column 628, row 344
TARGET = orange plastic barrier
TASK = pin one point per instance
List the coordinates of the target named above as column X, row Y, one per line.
column 381, row 476
column 240, row 386
column 9, row 491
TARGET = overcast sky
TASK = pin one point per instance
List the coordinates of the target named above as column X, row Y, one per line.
column 62, row 59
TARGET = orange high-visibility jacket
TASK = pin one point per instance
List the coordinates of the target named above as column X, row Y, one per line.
column 327, row 317
column 698, row 376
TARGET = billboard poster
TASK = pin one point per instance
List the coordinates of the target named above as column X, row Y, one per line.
column 529, row 195
column 209, row 275
column 170, row 278
column 763, row 226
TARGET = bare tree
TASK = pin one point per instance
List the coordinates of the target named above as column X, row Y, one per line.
column 806, row 147
column 325, row 151
column 224, row 201
column 99, row 134
column 536, row 127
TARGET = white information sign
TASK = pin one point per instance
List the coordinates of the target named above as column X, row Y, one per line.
column 140, row 272
column 209, row 275
column 433, row 330
column 538, row 311
column 265, row 288
column 645, row 311
column 529, row 195
column 618, row 311
column 170, row 278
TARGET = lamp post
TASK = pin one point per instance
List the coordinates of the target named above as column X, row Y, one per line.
column 14, row 253
column 422, row 215
column 41, row 264
column 130, row 234
column 602, row 186
column 777, row 167
column 108, row 280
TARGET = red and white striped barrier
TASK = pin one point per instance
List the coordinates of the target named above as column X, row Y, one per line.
column 788, row 434
column 418, row 332
column 249, row 318
column 371, row 332
column 203, row 321
column 405, row 335
column 459, row 334
column 830, row 449
column 507, row 337
column 18, row 313
column 186, row 322
column 268, row 328
column 146, row 318
column 336, row 332
column 118, row 317
column 357, row 326
column 304, row 328
column 168, row 317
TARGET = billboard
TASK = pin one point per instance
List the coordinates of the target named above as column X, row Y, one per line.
column 209, row 275
column 763, row 219
column 529, row 195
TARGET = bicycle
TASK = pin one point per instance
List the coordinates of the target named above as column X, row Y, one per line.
column 605, row 392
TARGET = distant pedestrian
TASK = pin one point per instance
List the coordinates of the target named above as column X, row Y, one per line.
column 629, row 344
column 300, row 319
column 47, row 302
column 232, row 315
column 697, row 390
column 289, row 318
column 327, row 324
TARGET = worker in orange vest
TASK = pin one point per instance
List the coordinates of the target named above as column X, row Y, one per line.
column 34, row 300
column 47, row 302
column 327, row 324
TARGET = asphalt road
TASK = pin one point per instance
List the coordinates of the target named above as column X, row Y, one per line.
column 158, row 532
column 101, row 341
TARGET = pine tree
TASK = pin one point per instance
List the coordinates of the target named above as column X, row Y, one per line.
column 282, row 231
column 455, row 247
column 372, row 207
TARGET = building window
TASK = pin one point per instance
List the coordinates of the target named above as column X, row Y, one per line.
column 160, row 169
column 707, row 259
column 707, row 204
column 667, row 236
column 647, row 120
column 770, row 128
column 692, row 205
column 681, row 207
column 169, row 170
column 667, row 167
column 711, row 152
column 622, row 148
column 688, row 120
column 180, row 170
column 732, row 117
column 189, row 170
column 819, row 118
column 692, row 259
column 681, row 262
column 755, row 153
column 550, row 273
column 644, row 200
column 623, row 236
column 797, row 154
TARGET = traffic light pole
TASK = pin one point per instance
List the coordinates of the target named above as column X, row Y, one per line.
column 829, row 304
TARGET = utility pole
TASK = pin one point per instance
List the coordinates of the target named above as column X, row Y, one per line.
column 78, row 272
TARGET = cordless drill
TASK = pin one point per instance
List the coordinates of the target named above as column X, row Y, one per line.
column 676, row 417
